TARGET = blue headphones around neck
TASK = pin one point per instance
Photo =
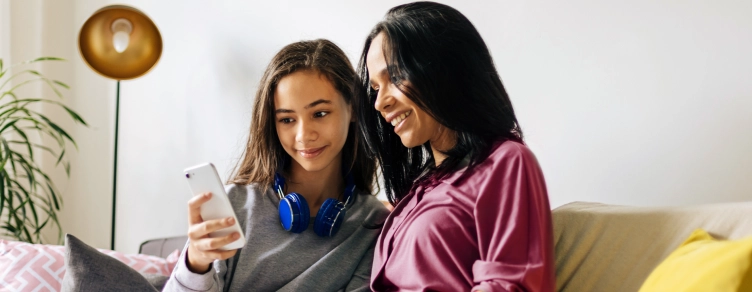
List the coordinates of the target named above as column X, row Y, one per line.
column 295, row 216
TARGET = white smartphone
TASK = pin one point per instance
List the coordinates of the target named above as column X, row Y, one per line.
column 204, row 178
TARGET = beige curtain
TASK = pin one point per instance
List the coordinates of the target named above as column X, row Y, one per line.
column 35, row 28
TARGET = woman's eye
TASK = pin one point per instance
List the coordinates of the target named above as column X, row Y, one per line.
column 320, row 114
column 286, row 120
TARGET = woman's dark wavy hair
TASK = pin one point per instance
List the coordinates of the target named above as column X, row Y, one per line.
column 437, row 58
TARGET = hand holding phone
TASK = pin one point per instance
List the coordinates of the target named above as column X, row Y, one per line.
column 214, row 232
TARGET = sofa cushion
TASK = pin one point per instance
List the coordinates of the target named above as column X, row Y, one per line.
column 87, row 269
column 41, row 267
column 603, row 247
column 703, row 263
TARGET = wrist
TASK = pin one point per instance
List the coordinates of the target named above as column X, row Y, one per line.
column 195, row 266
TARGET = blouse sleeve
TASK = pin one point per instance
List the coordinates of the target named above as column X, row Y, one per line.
column 513, row 221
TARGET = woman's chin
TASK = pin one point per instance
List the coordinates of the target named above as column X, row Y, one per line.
column 409, row 142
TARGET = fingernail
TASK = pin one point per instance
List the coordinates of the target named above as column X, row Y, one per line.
column 235, row 235
column 230, row 220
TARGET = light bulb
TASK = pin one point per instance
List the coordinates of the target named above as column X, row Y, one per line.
column 121, row 29
column 120, row 41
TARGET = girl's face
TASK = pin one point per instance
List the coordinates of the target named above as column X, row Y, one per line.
column 312, row 119
column 412, row 124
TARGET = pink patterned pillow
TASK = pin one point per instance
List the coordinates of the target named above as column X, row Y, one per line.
column 40, row 267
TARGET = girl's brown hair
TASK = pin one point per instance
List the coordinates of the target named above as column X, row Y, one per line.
column 263, row 152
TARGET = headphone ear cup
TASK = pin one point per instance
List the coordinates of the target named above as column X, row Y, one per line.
column 294, row 213
column 329, row 218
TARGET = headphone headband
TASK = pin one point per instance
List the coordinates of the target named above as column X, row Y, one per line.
column 279, row 183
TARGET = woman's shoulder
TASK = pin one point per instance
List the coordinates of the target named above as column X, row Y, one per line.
column 506, row 154
column 509, row 149
column 504, row 157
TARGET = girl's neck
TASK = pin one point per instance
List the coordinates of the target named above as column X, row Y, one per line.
column 317, row 186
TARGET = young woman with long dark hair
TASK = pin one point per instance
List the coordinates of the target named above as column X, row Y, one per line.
column 303, row 142
column 471, row 207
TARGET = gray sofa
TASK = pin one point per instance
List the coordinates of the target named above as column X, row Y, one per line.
column 162, row 247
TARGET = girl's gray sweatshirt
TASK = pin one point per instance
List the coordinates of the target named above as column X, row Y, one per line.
column 277, row 260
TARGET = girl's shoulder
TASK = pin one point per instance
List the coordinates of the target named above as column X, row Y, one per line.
column 252, row 191
column 370, row 201
column 370, row 208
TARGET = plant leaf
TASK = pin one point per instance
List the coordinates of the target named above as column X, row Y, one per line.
column 26, row 140
column 52, row 193
column 35, row 145
column 75, row 116
column 4, row 154
column 61, row 84
column 2, row 190
column 10, row 124
column 19, row 74
column 59, row 158
column 59, row 130
column 54, row 89
column 45, row 59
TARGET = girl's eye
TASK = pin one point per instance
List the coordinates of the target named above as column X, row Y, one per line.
column 286, row 120
column 320, row 114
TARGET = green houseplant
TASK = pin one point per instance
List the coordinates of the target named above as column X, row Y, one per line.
column 29, row 200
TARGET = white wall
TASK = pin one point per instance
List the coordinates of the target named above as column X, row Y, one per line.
column 639, row 102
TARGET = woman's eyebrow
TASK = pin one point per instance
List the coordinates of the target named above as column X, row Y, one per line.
column 381, row 73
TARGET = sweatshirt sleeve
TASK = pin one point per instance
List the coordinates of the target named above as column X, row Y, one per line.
column 182, row 279
column 514, row 229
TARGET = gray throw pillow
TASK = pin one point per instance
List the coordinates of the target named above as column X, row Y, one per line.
column 87, row 269
column 156, row 280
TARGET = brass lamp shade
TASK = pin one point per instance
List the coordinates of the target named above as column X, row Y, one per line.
column 95, row 42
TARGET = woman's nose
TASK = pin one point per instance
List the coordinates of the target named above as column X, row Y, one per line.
column 383, row 100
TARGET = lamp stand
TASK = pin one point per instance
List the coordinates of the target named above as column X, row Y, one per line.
column 114, row 172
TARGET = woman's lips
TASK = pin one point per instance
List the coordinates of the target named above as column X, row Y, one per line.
column 401, row 123
column 311, row 153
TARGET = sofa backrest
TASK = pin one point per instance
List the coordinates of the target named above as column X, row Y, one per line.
column 614, row 248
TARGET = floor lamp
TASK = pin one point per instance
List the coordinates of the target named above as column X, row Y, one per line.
column 122, row 43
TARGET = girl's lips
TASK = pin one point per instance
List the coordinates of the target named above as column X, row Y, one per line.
column 311, row 153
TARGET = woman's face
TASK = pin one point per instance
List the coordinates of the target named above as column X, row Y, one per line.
column 312, row 119
column 413, row 125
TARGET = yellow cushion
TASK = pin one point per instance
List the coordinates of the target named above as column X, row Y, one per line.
column 703, row 263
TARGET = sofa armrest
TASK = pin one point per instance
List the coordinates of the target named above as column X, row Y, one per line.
column 162, row 247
